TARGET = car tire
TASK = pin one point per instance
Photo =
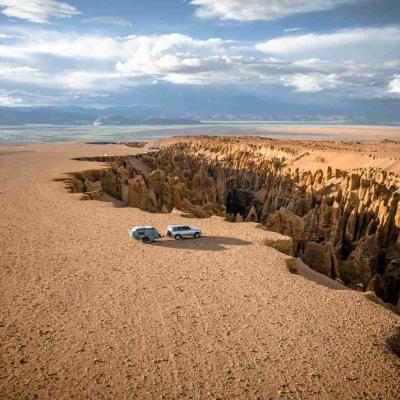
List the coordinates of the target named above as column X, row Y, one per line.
column 145, row 240
column 178, row 237
column 196, row 235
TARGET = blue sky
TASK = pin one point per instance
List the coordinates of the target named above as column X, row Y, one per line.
column 303, row 53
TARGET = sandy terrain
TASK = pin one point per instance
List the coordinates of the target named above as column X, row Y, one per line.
column 350, row 132
column 318, row 154
column 87, row 313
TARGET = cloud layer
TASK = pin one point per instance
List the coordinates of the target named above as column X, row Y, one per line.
column 101, row 64
column 394, row 85
column 6, row 100
column 361, row 43
column 38, row 11
column 108, row 21
column 254, row 10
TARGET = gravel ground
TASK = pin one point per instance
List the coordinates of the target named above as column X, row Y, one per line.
column 87, row 313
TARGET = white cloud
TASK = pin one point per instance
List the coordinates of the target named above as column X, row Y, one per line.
column 90, row 80
column 9, row 101
column 71, row 79
column 318, row 65
column 85, row 95
column 253, row 10
column 75, row 46
column 64, row 46
column 102, row 64
column 394, row 85
column 10, row 52
column 366, row 43
column 4, row 36
column 173, row 53
column 311, row 83
column 38, row 11
column 6, row 70
column 79, row 80
column 293, row 29
column 139, row 51
column 108, row 21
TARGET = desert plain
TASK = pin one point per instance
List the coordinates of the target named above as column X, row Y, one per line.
column 88, row 313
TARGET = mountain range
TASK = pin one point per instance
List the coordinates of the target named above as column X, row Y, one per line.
column 86, row 116
column 169, row 114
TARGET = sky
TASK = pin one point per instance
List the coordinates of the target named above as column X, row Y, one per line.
column 227, row 56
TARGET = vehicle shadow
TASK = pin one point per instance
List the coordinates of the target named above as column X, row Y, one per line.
column 208, row 243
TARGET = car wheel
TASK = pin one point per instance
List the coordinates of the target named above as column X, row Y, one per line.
column 178, row 237
column 145, row 240
column 196, row 235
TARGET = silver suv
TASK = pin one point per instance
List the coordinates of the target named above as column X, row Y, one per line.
column 180, row 231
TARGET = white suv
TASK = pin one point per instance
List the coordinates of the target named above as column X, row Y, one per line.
column 180, row 231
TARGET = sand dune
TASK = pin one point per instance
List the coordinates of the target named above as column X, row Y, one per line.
column 85, row 312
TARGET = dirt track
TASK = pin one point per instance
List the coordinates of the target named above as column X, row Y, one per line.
column 85, row 312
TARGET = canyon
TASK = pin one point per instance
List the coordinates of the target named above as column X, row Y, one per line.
column 85, row 312
column 343, row 222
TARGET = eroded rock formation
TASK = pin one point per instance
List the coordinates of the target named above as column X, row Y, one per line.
column 344, row 224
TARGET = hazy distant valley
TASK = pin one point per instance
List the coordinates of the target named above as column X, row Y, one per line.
column 147, row 115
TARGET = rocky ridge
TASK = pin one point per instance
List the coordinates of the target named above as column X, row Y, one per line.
column 344, row 223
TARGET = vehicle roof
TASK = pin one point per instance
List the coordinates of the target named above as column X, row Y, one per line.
column 178, row 225
column 143, row 227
